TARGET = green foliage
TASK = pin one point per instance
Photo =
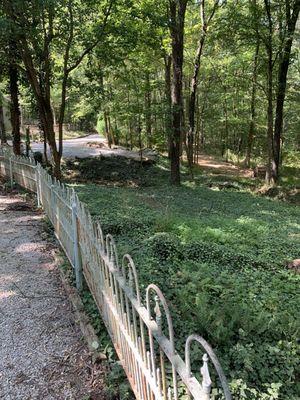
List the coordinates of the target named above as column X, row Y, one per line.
column 220, row 259
column 117, row 385
column 164, row 246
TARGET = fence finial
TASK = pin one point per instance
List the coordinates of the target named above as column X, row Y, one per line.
column 157, row 313
column 210, row 355
column 206, row 381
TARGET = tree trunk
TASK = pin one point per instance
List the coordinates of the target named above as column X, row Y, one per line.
column 116, row 132
column 41, row 91
column 184, row 106
column 148, row 111
column 45, row 148
column 251, row 131
column 270, row 165
column 192, row 100
column 2, row 126
column 127, row 134
column 130, row 134
column 27, row 141
column 15, row 114
column 197, row 132
column 62, row 110
column 168, row 99
column 177, row 16
column 269, row 50
column 111, row 131
column 226, row 145
column 50, row 135
column 281, row 84
column 194, row 84
column 106, row 128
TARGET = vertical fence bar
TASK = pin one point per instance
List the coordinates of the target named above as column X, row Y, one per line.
column 38, row 189
column 77, row 260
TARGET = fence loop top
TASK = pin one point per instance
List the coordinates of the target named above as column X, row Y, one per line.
column 100, row 236
column 206, row 382
column 127, row 263
column 111, row 251
column 161, row 297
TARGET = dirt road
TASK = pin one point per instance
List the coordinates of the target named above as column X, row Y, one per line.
column 86, row 147
column 42, row 354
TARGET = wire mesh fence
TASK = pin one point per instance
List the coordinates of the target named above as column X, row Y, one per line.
column 141, row 331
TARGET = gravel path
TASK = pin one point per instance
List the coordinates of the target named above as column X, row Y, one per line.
column 42, row 354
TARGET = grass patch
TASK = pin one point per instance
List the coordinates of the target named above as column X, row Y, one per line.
column 219, row 254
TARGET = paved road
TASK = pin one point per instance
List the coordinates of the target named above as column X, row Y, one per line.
column 79, row 148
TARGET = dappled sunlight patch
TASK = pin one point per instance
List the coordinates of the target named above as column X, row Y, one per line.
column 28, row 247
column 217, row 234
column 184, row 231
column 189, row 184
column 294, row 235
column 5, row 294
column 245, row 220
column 6, row 277
column 294, row 225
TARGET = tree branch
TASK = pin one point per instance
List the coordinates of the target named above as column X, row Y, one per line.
column 93, row 45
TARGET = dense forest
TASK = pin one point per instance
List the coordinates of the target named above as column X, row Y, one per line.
column 184, row 77
column 184, row 80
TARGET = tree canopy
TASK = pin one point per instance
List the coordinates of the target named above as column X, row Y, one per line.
column 181, row 76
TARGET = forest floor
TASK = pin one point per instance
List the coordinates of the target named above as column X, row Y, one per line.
column 42, row 354
column 224, row 246
column 216, row 166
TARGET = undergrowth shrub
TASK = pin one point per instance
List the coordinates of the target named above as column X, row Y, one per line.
column 164, row 246
column 219, row 254
column 219, row 258
column 117, row 170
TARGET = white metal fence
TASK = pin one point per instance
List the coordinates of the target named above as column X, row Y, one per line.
column 141, row 331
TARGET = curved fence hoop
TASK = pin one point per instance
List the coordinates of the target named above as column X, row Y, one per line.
column 212, row 357
column 163, row 301
column 100, row 235
column 127, row 262
column 159, row 296
column 111, row 250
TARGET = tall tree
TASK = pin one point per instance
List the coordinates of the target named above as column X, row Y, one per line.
column 35, row 26
column 251, row 132
column 70, row 64
column 15, row 113
column 168, row 98
column 292, row 9
column 270, row 172
column 194, row 83
column 177, row 9
column 280, row 29
column 3, row 137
